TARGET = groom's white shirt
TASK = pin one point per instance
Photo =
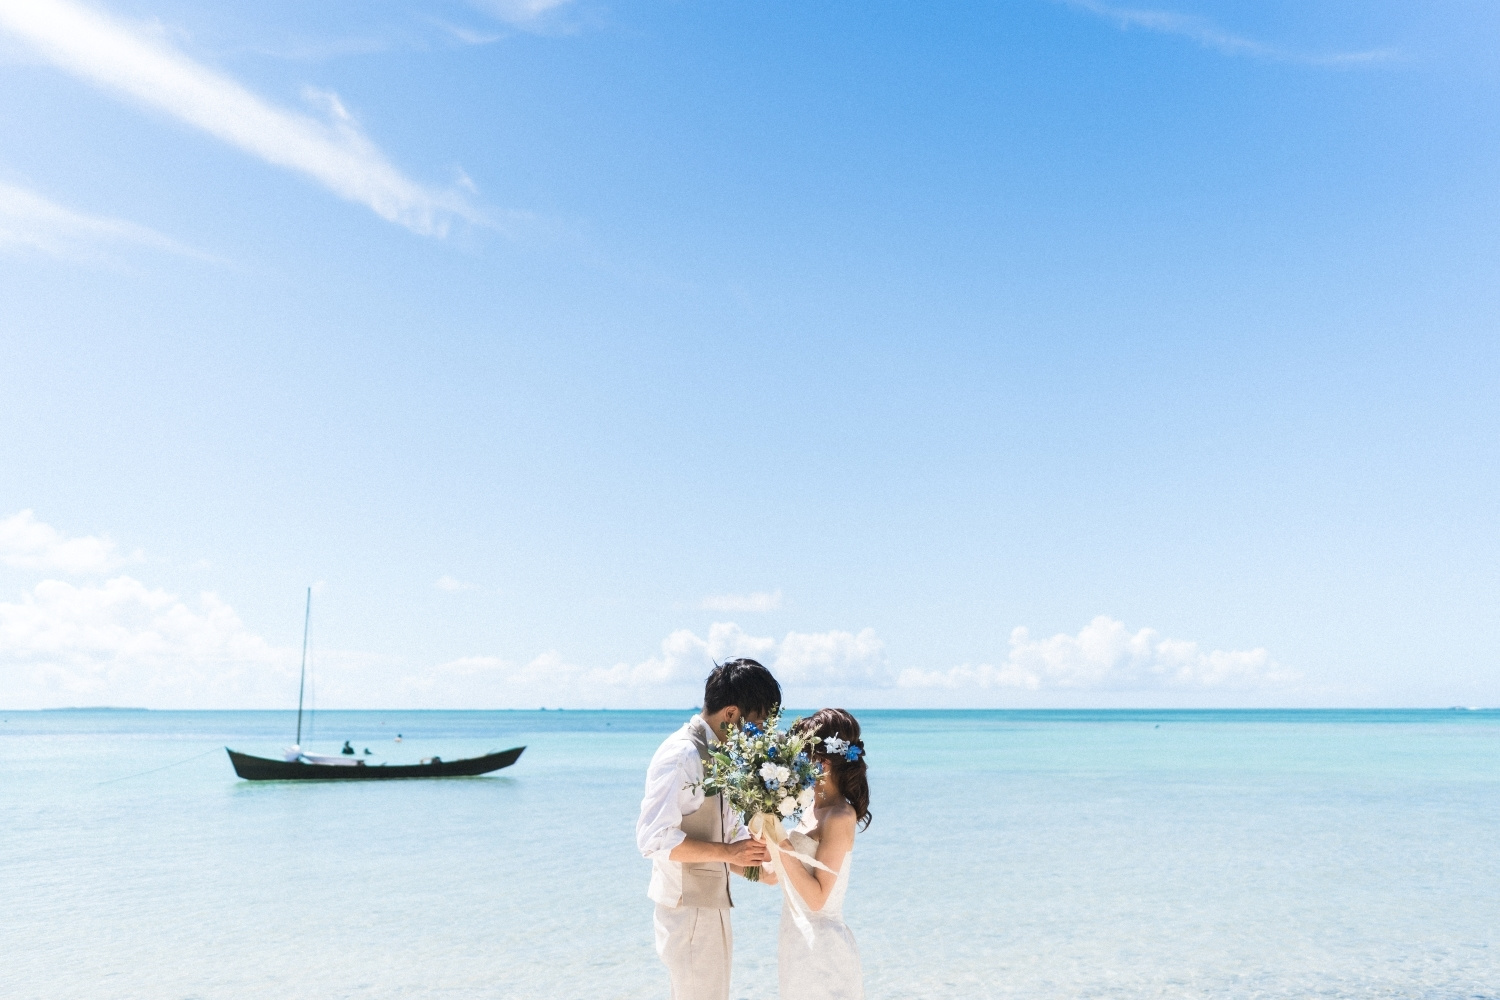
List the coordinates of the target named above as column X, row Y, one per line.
column 670, row 795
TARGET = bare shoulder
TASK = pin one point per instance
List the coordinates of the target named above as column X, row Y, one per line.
column 838, row 824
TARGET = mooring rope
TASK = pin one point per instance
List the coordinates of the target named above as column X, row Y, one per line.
column 155, row 769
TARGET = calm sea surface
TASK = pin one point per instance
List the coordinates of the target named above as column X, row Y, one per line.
column 1013, row 854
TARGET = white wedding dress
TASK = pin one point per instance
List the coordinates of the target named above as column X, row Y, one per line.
column 821, row 962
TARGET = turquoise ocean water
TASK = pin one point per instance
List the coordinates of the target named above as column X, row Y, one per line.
column 1013, row 854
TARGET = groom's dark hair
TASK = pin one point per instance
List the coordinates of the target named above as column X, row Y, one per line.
column 743, row 683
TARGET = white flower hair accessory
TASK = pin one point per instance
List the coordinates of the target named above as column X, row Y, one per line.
column 835, row 746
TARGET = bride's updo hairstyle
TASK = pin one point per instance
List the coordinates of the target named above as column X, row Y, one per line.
column 848, row 775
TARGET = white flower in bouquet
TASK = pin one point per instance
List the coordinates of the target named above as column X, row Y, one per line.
column 766, row 772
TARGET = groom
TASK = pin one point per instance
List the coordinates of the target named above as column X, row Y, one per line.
column 694, row 841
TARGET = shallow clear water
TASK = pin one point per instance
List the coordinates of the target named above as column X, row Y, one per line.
column 1012, row 854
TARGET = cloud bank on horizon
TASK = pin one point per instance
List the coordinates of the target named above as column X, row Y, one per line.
column 26, row 543
column 112, row 639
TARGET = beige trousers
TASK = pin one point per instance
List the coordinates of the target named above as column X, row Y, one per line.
column 696, row 944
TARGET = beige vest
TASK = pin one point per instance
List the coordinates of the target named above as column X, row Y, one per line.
column 705, row 883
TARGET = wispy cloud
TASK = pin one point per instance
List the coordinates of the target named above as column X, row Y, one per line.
column 468, row 36
column 1106, row 656
column 759, row 600
column 143, row 65
column 452, row 585
column 321, row 50
column 26, row 543
column 30, row 223
column 1210, row 35
column 523, row 13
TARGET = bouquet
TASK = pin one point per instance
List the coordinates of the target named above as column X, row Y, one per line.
column 766, row 775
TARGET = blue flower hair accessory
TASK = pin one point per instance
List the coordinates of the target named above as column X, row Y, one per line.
column 837, row 746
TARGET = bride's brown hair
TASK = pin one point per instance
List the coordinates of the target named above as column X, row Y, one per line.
column 848, row 775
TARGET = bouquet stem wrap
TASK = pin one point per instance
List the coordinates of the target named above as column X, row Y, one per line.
column 767, row 826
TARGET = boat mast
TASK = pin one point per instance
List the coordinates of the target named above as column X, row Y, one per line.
column 302, row 681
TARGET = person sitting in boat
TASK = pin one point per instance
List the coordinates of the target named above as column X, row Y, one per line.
column 347, row 748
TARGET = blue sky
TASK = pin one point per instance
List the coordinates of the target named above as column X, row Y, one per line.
column 569, row 346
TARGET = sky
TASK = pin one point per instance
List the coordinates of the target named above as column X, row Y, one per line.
column 1040, row 353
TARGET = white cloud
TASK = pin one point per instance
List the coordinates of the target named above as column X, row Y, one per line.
column 833, row 659
column 1210, row 35
column 452, row 585
column 674, row 674
column 759, row 600
column 26, row 543
column 30, row 223
column 687, row 659
column 143, row 65
column 123, row 643
column 1106, row 656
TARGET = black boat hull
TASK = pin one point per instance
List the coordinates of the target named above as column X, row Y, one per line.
column 264, row 769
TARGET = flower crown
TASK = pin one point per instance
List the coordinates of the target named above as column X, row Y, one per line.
column 834, row 745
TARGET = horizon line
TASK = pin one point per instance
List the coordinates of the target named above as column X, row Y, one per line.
column 697, row 708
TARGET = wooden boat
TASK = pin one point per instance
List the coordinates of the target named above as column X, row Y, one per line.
column 300, row 766
column 266, row 769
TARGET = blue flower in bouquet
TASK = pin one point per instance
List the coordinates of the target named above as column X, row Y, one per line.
column 765, row 770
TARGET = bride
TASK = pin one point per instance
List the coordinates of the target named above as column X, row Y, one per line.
column 818, row 958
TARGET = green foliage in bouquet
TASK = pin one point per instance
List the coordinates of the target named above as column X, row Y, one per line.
column 762, row 770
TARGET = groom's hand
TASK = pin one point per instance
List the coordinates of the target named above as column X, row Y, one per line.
column 748, row 852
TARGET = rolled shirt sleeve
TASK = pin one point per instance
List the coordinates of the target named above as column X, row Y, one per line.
column 659, row 828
